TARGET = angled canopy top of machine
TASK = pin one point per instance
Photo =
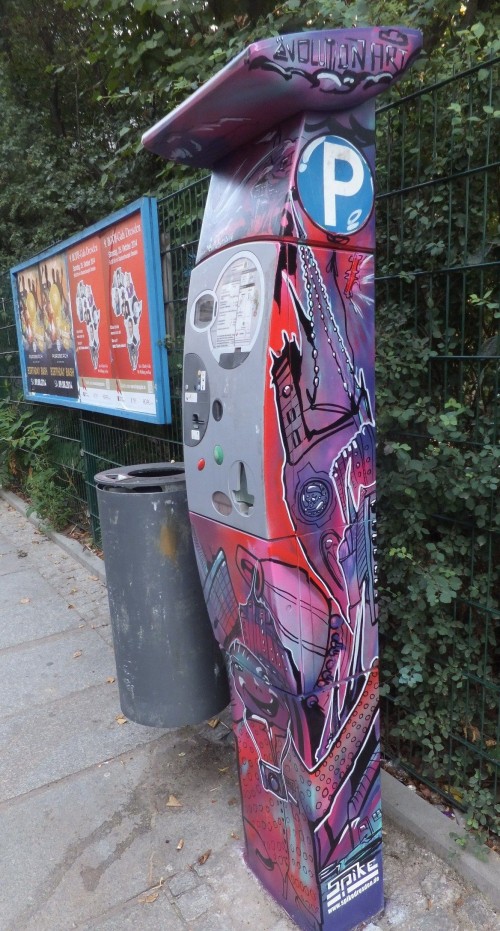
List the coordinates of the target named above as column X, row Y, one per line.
column 273, row 79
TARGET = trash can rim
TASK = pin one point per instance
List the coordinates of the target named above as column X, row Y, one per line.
column 141, row 475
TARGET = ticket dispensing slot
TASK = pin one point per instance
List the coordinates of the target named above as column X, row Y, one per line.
column 241, row 492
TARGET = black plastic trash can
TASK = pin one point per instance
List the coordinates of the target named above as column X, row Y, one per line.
column 170, row 670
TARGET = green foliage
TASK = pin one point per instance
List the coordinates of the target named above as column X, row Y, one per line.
column 80, row 80
column 30, row 447
column 438, row 423
column 50, row 498
column 57, row 138
column 24, row 436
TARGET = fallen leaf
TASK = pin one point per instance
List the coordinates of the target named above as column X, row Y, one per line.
column 121, row 719
column 472, row 733
column 173, row 802
column 71, row 606
column 234, row 835
column 182, row 754
column 213, row 722
column 147, row 898
column 95, row 578
column 153, row 893
column 73, row 590
column 180, row 845
column 224, row 769
column 204, row 857
column 455, row 793
column 110, row 680
column 25, row 601
column 233, row 801
column 77, row 653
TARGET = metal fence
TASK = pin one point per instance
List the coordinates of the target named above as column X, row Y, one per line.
column 438, row 252
column 439, row 255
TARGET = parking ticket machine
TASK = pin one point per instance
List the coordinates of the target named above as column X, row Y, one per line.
column 279, row 436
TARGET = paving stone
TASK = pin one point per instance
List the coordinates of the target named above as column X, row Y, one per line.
column 159, row 915
column 397, row 914
column 32, row 609
column 183, row 882
column 84, row 845
column 14, row 559
column 196, row 902
column 436, row 919
column 6, row 547
column 47, row 743
column 52, row 669
column 104, row 630
column 474, row 909
column 214, row 921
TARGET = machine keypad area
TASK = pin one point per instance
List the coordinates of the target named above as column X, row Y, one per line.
column 196, row 399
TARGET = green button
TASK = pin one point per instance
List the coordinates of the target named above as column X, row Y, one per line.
column 218, row 455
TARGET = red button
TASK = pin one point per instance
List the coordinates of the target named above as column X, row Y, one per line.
column 201, row 465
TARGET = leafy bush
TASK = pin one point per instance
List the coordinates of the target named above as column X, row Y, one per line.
column 24, row 436
column 29, row 447
column 50, row 498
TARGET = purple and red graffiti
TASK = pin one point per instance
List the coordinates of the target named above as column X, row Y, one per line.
column 285, row 279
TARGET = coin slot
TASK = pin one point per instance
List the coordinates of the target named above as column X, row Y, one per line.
column 217, row 410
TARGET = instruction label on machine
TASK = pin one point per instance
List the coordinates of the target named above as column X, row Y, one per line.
column 239, row 294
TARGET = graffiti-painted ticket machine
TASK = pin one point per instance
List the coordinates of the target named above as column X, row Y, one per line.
column 279, row 440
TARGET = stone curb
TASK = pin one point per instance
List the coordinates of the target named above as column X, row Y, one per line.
column 449, row 840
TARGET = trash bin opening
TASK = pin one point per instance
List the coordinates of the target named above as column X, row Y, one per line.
column 136, row 489
column 151, row 472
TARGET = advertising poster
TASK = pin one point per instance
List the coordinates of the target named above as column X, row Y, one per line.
column 91, row 322
column 31, row 327
column 46, row 329
column 90, row 319
column 123, row 260
column 58, row 327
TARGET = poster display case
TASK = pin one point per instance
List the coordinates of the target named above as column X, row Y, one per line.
column 90, row 319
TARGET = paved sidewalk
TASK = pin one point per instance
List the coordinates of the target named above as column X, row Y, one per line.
column 87, row 837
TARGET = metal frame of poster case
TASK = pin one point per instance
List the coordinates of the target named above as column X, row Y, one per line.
column 147, row 206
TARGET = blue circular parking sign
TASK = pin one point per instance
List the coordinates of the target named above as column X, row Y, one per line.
column 335, row 185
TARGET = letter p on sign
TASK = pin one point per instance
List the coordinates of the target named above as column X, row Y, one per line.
column 335, row 185
column 336, row 158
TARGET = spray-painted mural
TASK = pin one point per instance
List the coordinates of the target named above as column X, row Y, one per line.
column 296, row 616
column 279, row 431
